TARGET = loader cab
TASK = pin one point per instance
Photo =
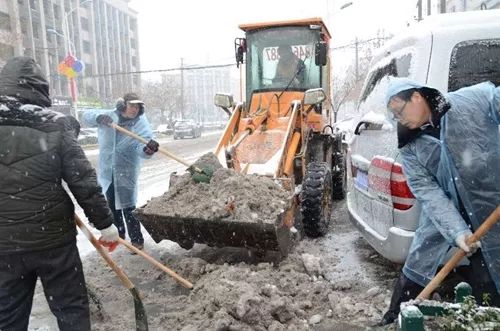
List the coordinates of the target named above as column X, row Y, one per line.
column 286, row 57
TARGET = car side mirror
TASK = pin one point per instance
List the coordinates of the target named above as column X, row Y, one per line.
column 320, row 53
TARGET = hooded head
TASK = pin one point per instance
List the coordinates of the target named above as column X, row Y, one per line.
column 130, row 99
column 416, row 107
column 22, row 78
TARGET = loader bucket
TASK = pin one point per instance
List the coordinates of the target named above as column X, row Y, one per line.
column 221, row 232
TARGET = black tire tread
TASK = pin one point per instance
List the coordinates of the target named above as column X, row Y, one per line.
column 317, row 183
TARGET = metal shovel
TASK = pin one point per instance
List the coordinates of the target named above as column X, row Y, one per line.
column 141, row 320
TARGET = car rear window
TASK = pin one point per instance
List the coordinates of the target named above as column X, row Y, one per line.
column 398, row 67
column 474, row 61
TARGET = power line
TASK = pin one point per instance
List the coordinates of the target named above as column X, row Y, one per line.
column 360, row 42
column 156, row 70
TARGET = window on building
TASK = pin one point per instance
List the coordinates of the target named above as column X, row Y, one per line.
column 57, row 12
column 4, row 21
column 88, row 69
column 6, row 51
column 24, row 26
column 86, row 46
column 133, row 24
column 85, row 23
column 132, row 43
column 134, row 61
column 36, row 31
column 33, row 4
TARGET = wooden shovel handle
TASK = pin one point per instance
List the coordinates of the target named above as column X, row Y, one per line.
column 160, row 149
column 105, row 255
column 151, row 260
column 460, row 254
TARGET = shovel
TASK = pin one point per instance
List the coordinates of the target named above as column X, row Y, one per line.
column 141, row 320
column 151, row 260
column 199, row 175
column 460, row 254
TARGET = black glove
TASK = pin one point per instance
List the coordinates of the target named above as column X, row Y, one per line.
column 151, row 147
column 104, row 120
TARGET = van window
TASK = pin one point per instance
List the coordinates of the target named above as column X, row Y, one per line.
column 398, row 67
column 474, row 61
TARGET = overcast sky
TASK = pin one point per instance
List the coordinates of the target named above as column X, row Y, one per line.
column 202, row 32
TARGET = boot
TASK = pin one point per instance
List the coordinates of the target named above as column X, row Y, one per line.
column 404, row 290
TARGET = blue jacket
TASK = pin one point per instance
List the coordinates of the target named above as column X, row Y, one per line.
column 120, row 156
column 463, row 165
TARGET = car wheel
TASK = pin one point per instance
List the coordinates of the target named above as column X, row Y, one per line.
column 316, row 199
column 175, row 137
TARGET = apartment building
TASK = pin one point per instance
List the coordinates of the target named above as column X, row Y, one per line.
column 467, row 5
column 200, row 87
column 101, row 33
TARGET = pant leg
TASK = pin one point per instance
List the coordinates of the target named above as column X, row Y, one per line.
column 17, row 287
column 61, row 273
column 404, row 290
column 133, row 226
column 481, row 281
column 117, row 214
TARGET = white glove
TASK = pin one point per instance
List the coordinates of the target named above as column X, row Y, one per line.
column 461, row 242
column 109, row 234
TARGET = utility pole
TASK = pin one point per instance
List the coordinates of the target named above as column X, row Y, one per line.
column 356, row 43
column 182, row 87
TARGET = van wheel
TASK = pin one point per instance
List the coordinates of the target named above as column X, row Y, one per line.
column 316, row 199
column 339, row 177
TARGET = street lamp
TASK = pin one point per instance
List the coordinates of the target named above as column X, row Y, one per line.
column 66, row 26
column 70, row 50
column 356, row 56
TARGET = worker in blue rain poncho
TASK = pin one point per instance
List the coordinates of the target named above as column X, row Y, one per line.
column 450, row 146
column 120, row 158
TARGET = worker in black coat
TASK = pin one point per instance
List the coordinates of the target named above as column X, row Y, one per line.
column 38, row 151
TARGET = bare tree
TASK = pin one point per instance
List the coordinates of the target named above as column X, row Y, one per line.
column 164, row 96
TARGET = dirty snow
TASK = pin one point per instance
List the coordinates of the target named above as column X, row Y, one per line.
column 332, row 283
column 229, row 195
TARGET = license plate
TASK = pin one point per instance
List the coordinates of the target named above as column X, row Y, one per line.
column 361, row 181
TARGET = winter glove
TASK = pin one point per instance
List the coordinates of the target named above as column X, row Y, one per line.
column 461, row 242
column 104, row 120
column 109, row 237
column 151, row 147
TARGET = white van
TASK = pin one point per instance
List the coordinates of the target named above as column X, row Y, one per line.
column 447, row 52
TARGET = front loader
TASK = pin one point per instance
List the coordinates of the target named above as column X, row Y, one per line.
column 281, row 130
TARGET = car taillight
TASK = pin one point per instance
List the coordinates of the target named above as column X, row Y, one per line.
column 387, row 179
column 402, row 198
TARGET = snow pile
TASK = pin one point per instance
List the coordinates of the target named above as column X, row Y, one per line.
column 229, row 195
column 231, row 295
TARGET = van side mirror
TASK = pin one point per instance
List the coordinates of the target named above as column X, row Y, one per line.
column 320, row 53
column 240, row 47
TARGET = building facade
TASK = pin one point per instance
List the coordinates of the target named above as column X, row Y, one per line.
column 102, row 34
column 431, row 7
column 467, row 5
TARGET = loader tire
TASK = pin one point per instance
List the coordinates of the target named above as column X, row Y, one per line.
column 339, row 177
column 316, row 199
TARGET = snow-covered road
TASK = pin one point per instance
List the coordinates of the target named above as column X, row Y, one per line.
column 155, row 172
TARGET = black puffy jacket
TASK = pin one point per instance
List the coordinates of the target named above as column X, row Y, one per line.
column 39, row 149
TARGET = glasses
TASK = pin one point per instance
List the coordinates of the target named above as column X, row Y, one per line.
column 398, row 114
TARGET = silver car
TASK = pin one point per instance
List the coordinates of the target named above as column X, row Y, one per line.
column 184, row 128
column 447, row 52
